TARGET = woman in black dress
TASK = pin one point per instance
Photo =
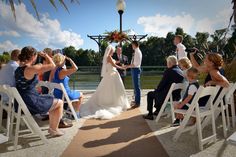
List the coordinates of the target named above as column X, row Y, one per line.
column 213, row 63
column 26, row 81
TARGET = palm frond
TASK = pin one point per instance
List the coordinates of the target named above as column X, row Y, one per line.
column 35, row 8
column 12, row 5
column 64, row 5
column 53, row 3
column 13, row 8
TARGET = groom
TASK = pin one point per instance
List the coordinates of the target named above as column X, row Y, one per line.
column 135, row 72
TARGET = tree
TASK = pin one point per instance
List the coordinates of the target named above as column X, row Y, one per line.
column 52, row 2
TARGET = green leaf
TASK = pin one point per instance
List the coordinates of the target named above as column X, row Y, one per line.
column 13, row 8
column 35, row 8
column 63, row 3
column 53, row 3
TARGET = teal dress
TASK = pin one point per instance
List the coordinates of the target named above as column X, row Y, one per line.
column 73, row 95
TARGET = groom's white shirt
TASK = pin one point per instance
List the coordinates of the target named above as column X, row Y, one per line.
column 137, row 60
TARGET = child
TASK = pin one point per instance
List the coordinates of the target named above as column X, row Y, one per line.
column 192, row 88
column 180, row 50
column 185, row 64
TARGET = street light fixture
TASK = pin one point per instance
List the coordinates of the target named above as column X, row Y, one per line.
column 120, row 6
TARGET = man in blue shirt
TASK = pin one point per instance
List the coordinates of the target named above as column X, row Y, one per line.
column 7, row 73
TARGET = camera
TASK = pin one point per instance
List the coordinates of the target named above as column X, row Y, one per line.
column 199, row 55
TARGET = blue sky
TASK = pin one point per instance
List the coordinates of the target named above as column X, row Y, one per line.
column 58, row 29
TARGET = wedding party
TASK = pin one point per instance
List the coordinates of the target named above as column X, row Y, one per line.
column 117, row 78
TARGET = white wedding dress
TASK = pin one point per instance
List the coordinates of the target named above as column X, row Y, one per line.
column 110, row 99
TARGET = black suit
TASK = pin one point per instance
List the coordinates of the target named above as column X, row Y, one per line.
column 123, row 59
column 171, row 75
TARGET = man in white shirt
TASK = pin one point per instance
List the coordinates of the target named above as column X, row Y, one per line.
column 136, row 71
column 7, row 73
column 180, row 48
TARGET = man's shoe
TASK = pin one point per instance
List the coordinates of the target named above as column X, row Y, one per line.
column 176, row 123
column 149, row 117
column 135, row 106
column 63, row 124
column 156, row 113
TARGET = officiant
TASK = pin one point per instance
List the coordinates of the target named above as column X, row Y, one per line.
column 121, row 60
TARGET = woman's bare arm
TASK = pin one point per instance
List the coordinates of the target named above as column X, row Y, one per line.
column 195, row 64
column 39, row 68
column 217, row 79
column 67, row 72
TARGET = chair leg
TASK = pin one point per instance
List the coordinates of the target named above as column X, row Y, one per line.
column 233, row 112
column 1, row 114
column 223, row 121
column 199, row 131
column 172, row 113
column 213, row 125
column 11, row 124
column 8, row 122
column 181, row 128
column 18, row 119
column 227, row 116
column 160, row 112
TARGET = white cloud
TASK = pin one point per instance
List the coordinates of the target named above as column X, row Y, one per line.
column 7, row 46
column 9, row 33
column 162, row 24
column 47, row 32
column 220, row 21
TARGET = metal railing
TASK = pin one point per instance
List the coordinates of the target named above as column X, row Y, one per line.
column 88, row 77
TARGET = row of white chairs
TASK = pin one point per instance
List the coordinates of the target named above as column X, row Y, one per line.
column 15, row 116
column 216, row 105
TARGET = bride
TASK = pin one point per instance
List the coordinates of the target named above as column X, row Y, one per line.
column 109, row 99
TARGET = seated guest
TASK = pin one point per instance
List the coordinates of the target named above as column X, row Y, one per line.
column 184, row 64
column 7, row 73
column 173, row 74
column 61, row 75
column 213, row 63
column 192, row 88
column 46, row 75
column 26, row 81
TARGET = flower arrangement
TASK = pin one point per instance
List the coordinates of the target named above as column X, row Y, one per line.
column 116, row 36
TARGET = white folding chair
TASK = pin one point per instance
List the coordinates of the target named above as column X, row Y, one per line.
column 5, row 105
column 169, row 100
column 22, row 113
column 229, row 99
column 199, row 113
column 51, row 87
column 219, row 107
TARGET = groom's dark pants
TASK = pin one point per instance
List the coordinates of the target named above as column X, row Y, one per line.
column 135, row 72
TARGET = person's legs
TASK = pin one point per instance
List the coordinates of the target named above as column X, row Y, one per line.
column 136, row 80
column 150, row 98
column 77, row 104
column 55, row 114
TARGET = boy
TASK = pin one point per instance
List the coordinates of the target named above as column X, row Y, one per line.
column 192, row 88
column 180, row 50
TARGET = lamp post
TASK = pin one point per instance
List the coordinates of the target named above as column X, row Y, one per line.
column 120, row 6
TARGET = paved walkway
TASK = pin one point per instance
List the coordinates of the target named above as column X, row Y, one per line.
column 185, row 147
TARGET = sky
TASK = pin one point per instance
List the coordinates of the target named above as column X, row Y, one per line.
column 57, row 28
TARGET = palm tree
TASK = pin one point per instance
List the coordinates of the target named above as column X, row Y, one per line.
column 12, row 4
